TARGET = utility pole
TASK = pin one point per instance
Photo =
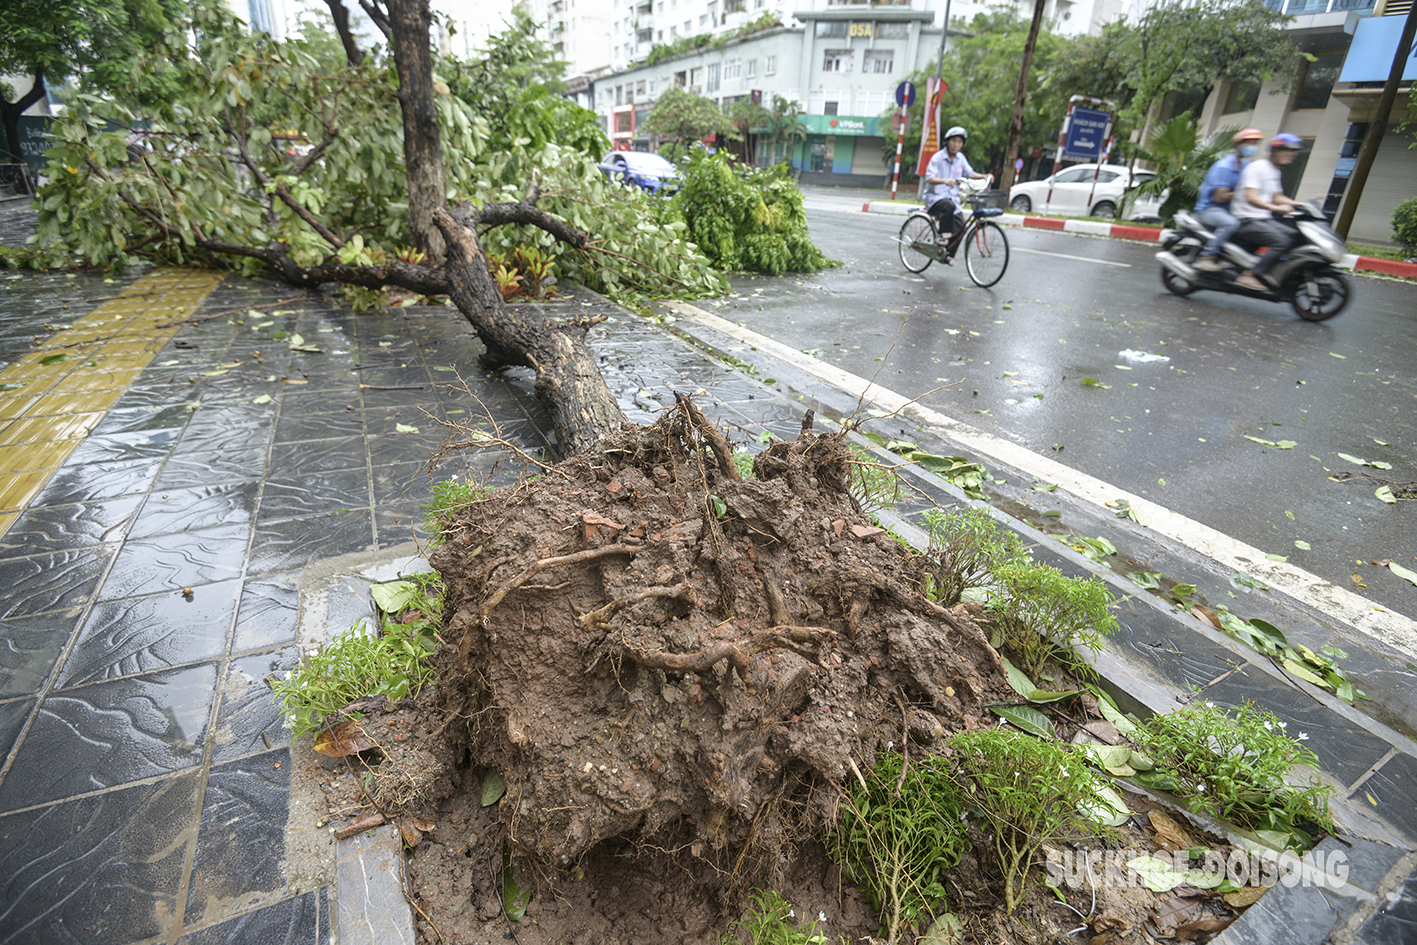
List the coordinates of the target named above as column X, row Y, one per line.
column 1006, row 179
column 1376, row 128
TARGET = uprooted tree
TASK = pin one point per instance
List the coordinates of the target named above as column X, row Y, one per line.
column 267, row 161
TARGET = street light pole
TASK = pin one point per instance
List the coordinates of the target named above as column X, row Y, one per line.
column 1376, row 128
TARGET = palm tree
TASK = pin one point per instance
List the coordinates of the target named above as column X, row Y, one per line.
column 785, row 129
column 1181, row 159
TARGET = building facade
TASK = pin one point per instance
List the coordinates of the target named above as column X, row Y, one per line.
column 842, row 65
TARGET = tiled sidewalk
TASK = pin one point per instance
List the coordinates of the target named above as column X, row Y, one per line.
column 149, row 572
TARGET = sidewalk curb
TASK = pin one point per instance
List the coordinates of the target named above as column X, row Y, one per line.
column 1145, row 234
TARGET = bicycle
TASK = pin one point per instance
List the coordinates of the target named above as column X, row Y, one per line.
column 986, row 248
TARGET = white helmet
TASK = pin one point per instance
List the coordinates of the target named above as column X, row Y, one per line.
column 957, row 130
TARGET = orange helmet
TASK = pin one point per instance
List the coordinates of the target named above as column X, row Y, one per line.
column 1247, row 134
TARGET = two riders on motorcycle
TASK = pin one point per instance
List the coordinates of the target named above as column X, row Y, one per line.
column 1239, row 198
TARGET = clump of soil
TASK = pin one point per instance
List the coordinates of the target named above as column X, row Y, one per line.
column 676, row 672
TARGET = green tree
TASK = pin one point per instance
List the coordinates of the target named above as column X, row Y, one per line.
column 982, row 72
column 686, row 118
column 96, row 40
column 1175, row 45
column 784, row 128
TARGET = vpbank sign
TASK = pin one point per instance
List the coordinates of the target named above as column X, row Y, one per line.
column 849, row 125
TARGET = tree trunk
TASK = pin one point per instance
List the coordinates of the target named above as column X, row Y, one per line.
column 1006, row 176
column 422, row 145
column 568, row 382
column 340, row 14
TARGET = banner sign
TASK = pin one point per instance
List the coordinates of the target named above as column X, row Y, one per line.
column 1086, row 135
column 852, row 126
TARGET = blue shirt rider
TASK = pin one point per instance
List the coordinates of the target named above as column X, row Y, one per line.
column 1217, row 190
column 946, row 169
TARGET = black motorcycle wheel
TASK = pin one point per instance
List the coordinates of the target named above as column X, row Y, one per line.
column 1317, row 292
column 1188, row 250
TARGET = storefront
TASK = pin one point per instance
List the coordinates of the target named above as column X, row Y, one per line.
column 842, row 144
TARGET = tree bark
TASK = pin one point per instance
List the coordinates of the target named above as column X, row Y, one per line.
column 1006, row 176
column 422, row 144
column 568, row 382
column 340, row 14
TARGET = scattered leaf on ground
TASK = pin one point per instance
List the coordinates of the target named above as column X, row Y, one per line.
column 342, row 739
column 1302, row 545
column 1402, row 572
column 1027, row 718
column 405, row 428
column 1364, row 462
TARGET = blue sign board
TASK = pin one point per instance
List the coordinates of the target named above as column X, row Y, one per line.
column 905, row 94
column 1370, row 53
column 1087, row 135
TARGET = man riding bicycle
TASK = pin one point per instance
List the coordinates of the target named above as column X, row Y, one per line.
column 946, row 169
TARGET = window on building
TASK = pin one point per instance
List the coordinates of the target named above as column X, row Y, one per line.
column 892, row 30
column 681, row 79
column 770, row 66
column 1319, row 77
column 752, row 68
column 688, row 27
column 713, row 77
column 836, row 60
column 661, row 36
column 619, row 95
column 759, row 4
column 830, row 108
column 640, row 87
column 644, row 36
column 659, row 8
column 1243, row 96
column 832, row 27
column 696, row 77
column 733, row 69
column 673, row 32
column 879, row 61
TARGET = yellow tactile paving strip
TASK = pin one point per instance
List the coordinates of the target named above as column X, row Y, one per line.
column 53, row 396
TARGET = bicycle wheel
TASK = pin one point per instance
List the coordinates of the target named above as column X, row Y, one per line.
column 986, row 253
column 917, row 228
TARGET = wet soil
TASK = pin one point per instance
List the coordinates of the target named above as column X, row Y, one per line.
column 655, row 682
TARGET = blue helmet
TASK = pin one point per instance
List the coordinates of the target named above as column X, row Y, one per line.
column 1286, row 140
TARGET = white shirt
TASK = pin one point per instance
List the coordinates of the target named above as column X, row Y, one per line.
column 1264, row 178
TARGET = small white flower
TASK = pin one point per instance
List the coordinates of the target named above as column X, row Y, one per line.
column 1283, row 724
column 1200, row 788
column 890, row 745
column 1268, row 727
column 1303, row 736
column 792, row 913
column 821, row 916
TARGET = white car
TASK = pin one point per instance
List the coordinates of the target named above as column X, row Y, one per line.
column 1072, row 188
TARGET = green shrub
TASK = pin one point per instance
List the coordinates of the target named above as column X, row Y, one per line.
column 1045, row 614
column 393, row 662
column 771, row 920
column 896, row 837
column 1030, row 791
column 966, row 547
column 449, row 496
column 1404, row 224
column 1237, row 767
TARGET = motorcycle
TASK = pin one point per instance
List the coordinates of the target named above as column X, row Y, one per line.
column 1305, row 278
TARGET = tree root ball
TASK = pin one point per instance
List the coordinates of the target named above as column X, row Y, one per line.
column 650, row 648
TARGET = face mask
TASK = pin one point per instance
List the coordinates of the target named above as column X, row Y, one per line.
column 1248, row 150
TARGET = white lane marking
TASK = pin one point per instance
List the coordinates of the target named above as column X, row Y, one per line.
column 1040, row 252
column 1339, row 603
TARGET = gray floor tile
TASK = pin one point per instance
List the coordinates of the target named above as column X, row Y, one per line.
column 122, row 730
column 29, row 648
column 196, row 508
column 293, row 544
column 302, row 920
column 54, row 581
column 94, row 482
column 102, row 869
column 269, row 613
column 142, row 634
column 64, row 527
column 171, row 562
column 241, row 841
column 249, row 720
